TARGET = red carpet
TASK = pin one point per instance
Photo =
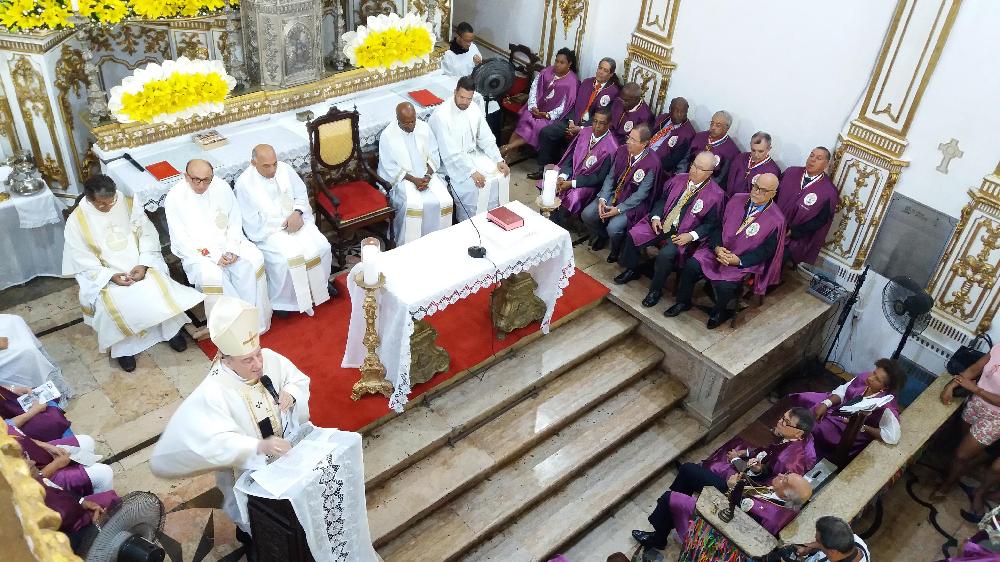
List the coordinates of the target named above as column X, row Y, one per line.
column 316, row 345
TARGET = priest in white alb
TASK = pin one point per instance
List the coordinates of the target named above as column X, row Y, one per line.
column 126, row 292
column 278, row 219
column 206, row 233
column 241, row 412
column 407, row 159
column 469, row 153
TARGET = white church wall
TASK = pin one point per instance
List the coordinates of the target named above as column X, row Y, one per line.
column 502, row 23
column 609, row 26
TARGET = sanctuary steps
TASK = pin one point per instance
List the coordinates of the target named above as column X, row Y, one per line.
column 515, row 462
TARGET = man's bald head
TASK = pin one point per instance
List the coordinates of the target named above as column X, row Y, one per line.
column 406, row 116
column 702, row 167
column 793, row 488
column 764, row 188
column 199, row 173
column 265, row 160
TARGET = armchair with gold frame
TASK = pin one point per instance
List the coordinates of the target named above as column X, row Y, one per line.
column 349, row 194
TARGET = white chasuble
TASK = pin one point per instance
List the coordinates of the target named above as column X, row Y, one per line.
column 401, row 153
column 298, row 263
column 467, row 145
column 128, row 319
column 217, row 427
column 202, row 228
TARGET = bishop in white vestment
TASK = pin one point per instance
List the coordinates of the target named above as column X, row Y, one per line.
column 278, row 219
column 240, row 414
column 407, row 158
column 126, row 293
column 206, row 233
column 469, row 153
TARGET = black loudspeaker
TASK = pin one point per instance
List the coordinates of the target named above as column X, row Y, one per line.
column 910, row 241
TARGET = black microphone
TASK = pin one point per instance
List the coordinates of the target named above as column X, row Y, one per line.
column 137, row 165
column 269, row 387
column 474, row 251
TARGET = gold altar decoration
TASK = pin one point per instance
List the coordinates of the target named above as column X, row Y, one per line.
column 650, row 49
column 426, row 357
column 32, row 97
column 30, row 529
column 372, row 379
column 567, row 13
column 514, row 304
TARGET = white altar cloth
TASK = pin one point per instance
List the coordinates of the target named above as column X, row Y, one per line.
column 377, row 107
column 31, row 238
column 435, row 270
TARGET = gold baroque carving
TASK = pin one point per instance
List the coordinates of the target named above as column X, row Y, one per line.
column 21, row 43
column 29, row 87
column 444, row 8
column 7, row 130
column 570, row 10
column 192, row 46
column 373, row 8
column 71, row 77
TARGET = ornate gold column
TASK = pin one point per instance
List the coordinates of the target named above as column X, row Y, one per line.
column 563, row 24
column 867, row 160
column 650, row 49
column 966, row 285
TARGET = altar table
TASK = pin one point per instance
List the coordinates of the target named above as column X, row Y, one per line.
column 31, row 238
column 377, row 108
column 435, row 271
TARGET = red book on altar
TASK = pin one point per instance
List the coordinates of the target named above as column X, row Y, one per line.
column 163, row 170
column 505, row 218
column 425, row 98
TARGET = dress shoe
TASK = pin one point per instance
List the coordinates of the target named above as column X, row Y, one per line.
column 651, row 299
column 536, row 175
column 127, row 363
column 332, row 289
column 178, row 343
column 613, row 256
column 716, row 319
column 676, row 309
column 599, row 244
column 626, row 276
column 282, row 313
column 647, row 539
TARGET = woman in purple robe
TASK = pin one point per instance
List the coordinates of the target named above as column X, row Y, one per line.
column 551, row 94
column 792, row 451
column 882, row 423
column 585, row 164
column 973, row 551
column 44, row 422
column 55, row 464
column 808, row 199
column 76, row 513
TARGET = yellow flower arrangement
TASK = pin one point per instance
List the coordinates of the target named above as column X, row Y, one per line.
column 389, row 42
column 25, row 15
column 104, row 11
column 178, row 89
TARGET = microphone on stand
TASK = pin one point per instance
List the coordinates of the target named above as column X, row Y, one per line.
column 474, row 251
column 269, row 387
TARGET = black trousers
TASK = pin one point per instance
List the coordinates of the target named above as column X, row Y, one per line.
column 691, row 478
column 725, row 291
column 664, row 264
column 552, row 142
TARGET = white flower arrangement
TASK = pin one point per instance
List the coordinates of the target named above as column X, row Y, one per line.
column 390, row 41
column 177, row 89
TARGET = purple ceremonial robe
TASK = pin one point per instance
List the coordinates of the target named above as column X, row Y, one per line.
column 796, row 457
column 828, row 431
column 772, row 517
column 550, row 92
column 586, row 160
column 741, row 173
column 709, row 199
column 73, row 516
column 800, row 204
column 737, row 241
column 725, row 148
column 648, row 164
column 45, row 426
column 71, row 477
column 972, row 552
column 603, row 98
column 667, row 135
column 623, row 120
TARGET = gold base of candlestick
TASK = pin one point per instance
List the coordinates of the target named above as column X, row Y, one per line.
column 372, row 379
column 514, row 304
column 546, row 210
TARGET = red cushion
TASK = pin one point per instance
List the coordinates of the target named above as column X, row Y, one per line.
column 520, row 84
column 512, row 107
column 357, row 199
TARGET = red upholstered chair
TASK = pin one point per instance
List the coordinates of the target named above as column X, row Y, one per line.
column 526, row 64
column 349, row 194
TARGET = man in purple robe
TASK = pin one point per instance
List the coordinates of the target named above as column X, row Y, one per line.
column 594, row 94
column 41, row 421
column 689, row 210
column 628, row 111
column 76, row 513
column 748, row 165
column 750, row 243
column 793, row 450
column 672, row 134
column 717, row 141
column 808, row 199
column 627, row 193
column 551, row 94
column 585, row 165
column 772, row 506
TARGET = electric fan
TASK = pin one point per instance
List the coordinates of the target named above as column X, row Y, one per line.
column 129, row 532
column 907, row 308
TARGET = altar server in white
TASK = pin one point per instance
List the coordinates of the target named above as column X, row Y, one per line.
column 241, row 412
column 206, row 233
column 126, row 292
column 462, row 56
column 407, row 158
column 278, row 219
column 469, row 153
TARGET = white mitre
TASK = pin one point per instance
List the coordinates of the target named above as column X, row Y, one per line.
column 234, row 327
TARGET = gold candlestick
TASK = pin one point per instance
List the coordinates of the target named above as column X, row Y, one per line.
column 372, row 379
column 546, row 210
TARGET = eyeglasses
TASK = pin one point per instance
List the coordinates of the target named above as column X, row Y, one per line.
column 201, row 181
column 633, row 141
column 697, row 167
column 104, row 205
column 759, row 189
column 785, row 421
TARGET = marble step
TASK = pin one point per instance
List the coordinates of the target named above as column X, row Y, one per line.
column 626, row 483
column 408, row 438
column 455, row 527
column 450, row 470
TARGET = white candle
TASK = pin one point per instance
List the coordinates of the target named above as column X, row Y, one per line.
column 369, row 263
column 549, row 187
